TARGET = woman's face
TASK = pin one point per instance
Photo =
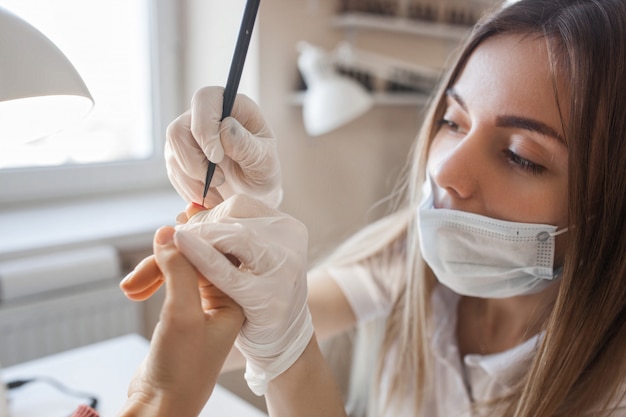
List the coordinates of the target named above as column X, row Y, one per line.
column 499, row 149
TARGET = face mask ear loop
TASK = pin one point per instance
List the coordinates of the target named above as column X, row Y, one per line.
column 558, row 271
column 544, row 236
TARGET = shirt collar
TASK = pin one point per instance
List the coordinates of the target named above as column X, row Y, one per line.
column 502, row 368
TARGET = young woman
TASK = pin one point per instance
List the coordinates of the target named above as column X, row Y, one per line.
column 500, row 279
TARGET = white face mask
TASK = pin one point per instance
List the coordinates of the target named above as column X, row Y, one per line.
column 483, row 257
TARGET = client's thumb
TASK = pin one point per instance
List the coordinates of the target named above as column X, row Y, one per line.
column 181, row 278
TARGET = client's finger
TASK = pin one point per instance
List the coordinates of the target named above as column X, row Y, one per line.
column 193, row 209
column 240, row 206
column 145, row 294
column 144, row 280
column 181, row 278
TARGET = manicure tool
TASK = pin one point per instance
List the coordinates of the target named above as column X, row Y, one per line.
column 234, row 75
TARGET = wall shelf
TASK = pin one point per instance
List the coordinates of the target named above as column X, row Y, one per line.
column 380, row 99
column 401, row 25
column 357, row 21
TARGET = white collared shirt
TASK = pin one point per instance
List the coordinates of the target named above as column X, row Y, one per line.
column 457, row 383
column 475, row 379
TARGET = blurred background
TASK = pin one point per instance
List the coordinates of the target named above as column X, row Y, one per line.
column 78, row 209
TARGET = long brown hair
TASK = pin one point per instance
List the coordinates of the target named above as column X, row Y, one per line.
column 581, row 362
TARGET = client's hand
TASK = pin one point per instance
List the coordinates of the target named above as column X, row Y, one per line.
column 258, row 256
column 147, row 278
column 197, row 328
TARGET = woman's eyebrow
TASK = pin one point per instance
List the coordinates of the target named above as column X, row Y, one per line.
column 511, row 121
column 531, row 125
column 452, row 93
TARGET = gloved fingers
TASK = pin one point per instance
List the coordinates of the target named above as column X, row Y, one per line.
column 143, row 281
column 185, row 161
column 183, row 150
column 206, row 115
column 239, row 206
column 206, row 120
column 255, row 155
column 191, row 189
column 213, row 264
column 188, row 188
column 251, row 164
column 235, row 241
column 249, row 114
column 187, row 164
column 267, row 224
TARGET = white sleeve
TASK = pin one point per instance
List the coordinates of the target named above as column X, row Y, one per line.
column 365, row 296
column 371, row 286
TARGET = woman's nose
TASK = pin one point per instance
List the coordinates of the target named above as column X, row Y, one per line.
column 455, row 167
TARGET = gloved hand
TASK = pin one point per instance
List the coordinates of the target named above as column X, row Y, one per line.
column 243, row 147
column 258, row 257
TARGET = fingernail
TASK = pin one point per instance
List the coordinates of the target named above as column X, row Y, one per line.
column 127, row 277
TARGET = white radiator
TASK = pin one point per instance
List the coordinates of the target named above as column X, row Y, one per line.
column 39, row 328
column 61, row 318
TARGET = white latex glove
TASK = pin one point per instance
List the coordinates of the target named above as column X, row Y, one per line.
column 243, row 147
column 269, row 283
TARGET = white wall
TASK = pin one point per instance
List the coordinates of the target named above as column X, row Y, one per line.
column 331, row 181
column 211, row 30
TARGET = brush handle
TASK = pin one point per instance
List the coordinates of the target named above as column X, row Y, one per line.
column 234, row 75
column 239, row 56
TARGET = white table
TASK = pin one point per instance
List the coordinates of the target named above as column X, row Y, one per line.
column 103, row 370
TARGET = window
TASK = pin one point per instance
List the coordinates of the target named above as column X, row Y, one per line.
column 127, row 53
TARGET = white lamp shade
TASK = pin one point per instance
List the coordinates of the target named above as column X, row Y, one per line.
column 331, row 100
column 40, row 90
column 333, row 103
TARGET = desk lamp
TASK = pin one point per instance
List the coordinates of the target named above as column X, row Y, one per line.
column 40, row 90
column 331, row 100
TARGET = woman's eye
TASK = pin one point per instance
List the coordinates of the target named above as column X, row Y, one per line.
column 520, row 162
column 448, row 124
